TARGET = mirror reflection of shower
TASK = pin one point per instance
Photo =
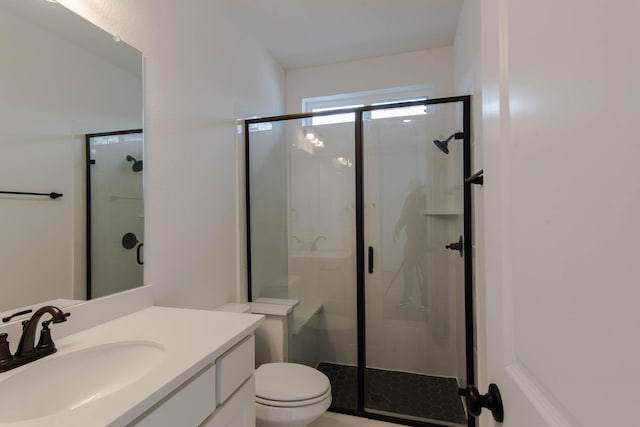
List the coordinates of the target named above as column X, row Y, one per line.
column 137, row 164
column 115, row 211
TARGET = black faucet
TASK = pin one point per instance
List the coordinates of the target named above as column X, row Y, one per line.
column 27, row 350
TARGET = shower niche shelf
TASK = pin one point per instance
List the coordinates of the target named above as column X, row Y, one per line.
column 442, row 212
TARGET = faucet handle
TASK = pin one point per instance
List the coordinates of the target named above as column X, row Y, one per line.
column 45, row 340
column 66, row 315
column 5, row 353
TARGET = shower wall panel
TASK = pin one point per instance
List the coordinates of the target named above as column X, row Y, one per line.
column 322, row 230
column 269, row 235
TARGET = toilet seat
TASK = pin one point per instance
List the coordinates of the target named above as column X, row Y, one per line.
column 293, row 403
column 290, row 385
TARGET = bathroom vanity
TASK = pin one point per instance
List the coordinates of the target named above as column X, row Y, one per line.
column 155, row 367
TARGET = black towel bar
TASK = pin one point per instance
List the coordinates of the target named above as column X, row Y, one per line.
column 51, row 195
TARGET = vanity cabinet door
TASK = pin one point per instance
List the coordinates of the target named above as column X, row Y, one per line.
column 187, row 406
column 233, row 368
column 238, row 411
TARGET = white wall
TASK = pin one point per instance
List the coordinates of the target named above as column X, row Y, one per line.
column 433, row 66
column 53, row 92
column 201, row 73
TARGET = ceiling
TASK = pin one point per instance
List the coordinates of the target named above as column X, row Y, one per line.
column 298, row 33
column 303, row 33
column 59, row 20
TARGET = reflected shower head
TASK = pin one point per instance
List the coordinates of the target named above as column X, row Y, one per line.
column 137, row 164
column 443, row 145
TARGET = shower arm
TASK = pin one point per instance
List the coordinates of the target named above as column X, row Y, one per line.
column 456, row 135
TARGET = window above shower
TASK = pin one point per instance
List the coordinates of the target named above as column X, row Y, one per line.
column 349, row 101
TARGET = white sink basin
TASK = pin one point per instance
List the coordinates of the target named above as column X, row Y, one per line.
column 66, row 382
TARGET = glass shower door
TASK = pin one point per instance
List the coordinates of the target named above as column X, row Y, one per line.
column 360, row 218
column 414, row 286
column 301, row 176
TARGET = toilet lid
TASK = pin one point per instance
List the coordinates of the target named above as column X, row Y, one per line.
column 289, row 382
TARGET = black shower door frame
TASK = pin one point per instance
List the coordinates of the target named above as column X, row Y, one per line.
column 88, row 163
column 360, row 237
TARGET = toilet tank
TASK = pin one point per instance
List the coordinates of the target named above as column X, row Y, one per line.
column 273, row 335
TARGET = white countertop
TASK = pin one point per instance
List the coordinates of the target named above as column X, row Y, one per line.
column 192, row 339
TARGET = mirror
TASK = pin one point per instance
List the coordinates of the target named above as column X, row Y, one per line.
column 62, row 79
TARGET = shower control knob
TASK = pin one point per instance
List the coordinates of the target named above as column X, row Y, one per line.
column 476, row 401
column 129, row 241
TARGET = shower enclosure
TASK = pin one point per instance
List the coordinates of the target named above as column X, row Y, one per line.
column 363, row 216
column 115, row 217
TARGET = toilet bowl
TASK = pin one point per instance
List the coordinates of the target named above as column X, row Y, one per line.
column 290, row 395
column 287, row 394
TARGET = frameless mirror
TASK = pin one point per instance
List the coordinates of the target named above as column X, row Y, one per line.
column 62, row 81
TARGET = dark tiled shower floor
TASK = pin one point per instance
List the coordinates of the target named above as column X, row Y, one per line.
column 397, row 393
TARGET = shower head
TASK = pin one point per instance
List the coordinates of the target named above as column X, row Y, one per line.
column 137, row 164
column 443, row 145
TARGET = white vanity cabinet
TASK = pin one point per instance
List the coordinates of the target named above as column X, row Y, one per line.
column 158, row 366
column 220, row 395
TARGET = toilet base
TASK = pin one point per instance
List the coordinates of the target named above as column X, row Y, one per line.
column 302, row 416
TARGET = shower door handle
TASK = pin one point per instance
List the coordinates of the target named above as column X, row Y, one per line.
column 139, row 254
column 370, row 259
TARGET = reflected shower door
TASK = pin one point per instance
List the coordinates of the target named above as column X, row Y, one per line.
column 115, row 216
column 414, row 286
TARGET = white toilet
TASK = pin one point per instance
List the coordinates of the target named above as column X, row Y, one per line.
column 290, row 395
column 287, row 394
